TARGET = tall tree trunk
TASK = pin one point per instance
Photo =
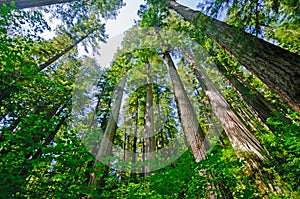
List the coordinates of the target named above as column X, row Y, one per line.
column 6, row 91
column 134, row 144
column 107, row 141
column 240, row 137
column 66, row 50
column 242, row 140
column 180, row 121
column 256, row 101
column 125, row 139
column 149, row 135
column 258, row 104
column 30, row 4
column 90, row 174
column 276, row 67
column 189, row 119
column 191, row 126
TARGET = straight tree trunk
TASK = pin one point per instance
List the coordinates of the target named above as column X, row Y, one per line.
column 124, row 143
column 276, row 67
column 179, row 118
column 244, row 143
column 191, row 126
column 256, row 101
column 240, row 137
column 6, row 91
column 64, row 51
column 134, row 144
column 106, row 145
column 149, row 138
column 189, row 119
column 107, row 141
column 91, row 178
column 258, row 104
column 30, row 3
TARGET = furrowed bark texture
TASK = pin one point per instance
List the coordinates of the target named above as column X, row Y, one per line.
column 276, row 67
column 107, row 141
column 244, row 143
column 240, row 137
column 257, row 102
column 189, row 119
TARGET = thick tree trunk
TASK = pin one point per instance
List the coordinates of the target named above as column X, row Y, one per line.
column 124, row 144
column 191, row 126
column 107, row 141
column 259, row 105
column 106, row 145
column 179, row 118
column 189, row 119
column 30, row 3
column 276, row 67
column 244, row 143
column 149, row 138
column 240, row 137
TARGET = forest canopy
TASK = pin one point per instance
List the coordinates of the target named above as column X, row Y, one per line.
column 194, row 104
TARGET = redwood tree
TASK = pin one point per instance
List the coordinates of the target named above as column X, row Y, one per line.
column 276, row 67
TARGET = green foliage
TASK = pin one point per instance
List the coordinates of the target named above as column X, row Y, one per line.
column 43, row 157
column 185, row 178
column 283, row 145
column 276, row 21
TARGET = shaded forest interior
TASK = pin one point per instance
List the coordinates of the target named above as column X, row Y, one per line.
column 194, row 104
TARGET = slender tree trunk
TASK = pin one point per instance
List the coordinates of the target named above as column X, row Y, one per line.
column 6, row 91
column 30, row 4
column 276, row 67
column 66, row 50
column 149, row 138
column 189, row 119
column 240, row 137
column 47, row 141
column 134, row 144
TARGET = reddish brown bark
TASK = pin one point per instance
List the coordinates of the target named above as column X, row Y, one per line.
column 189, row 119
column 276, row 67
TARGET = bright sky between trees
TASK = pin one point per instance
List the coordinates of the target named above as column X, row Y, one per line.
column 124, row 21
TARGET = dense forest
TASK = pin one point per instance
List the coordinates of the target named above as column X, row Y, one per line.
column 195, row 103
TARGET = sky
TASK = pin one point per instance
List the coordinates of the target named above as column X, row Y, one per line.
column 124, row 21
column 128, row 13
